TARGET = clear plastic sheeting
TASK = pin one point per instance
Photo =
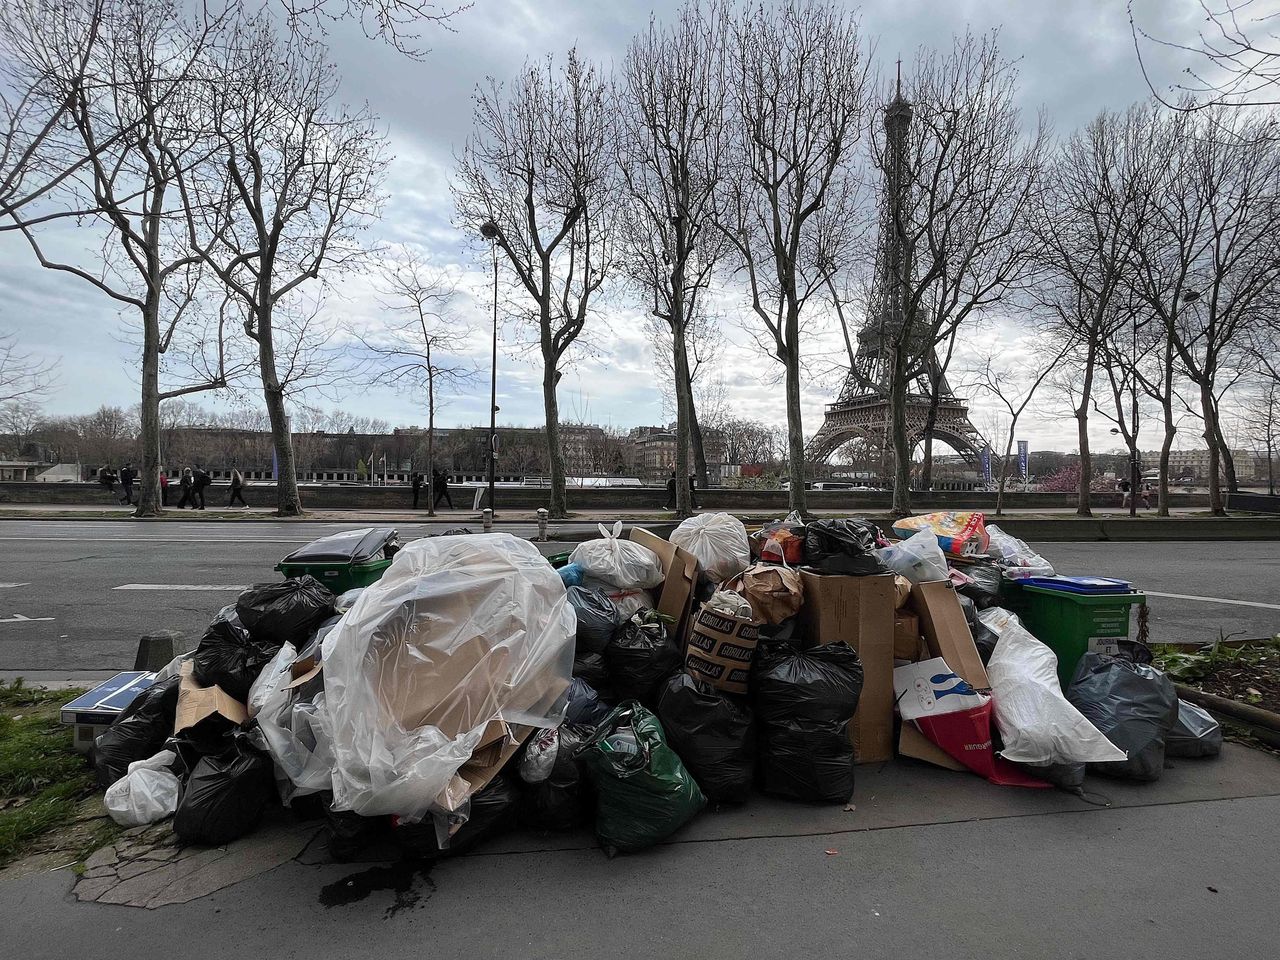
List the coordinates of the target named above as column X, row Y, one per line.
column 622, row 563
column 292, row 728
column 1017, row 559
column 459, row 632
column 718, row 540
column 918, row 558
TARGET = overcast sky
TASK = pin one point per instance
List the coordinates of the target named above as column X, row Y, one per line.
column 1076, row 57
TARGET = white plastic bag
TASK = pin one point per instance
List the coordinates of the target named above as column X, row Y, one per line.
column 628, row 602
column 459, row 632
column 623, row 563
column 918, row 558
column 1036, row 722
column 292, row 729
column 718, row 540
column 146, row 794
column 1015, row 556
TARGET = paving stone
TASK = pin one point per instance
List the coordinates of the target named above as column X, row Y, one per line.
column 105, row 857
column 138, row 891
column 98, row 872
column 127, row 871
column 93, row 888
column 256, row 854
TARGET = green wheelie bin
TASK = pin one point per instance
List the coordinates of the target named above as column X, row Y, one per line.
column 1071, row 622
column 346, row 560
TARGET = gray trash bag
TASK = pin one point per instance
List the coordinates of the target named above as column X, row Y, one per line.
column 1194, row 734
column 598, row 619
column 1135, row 706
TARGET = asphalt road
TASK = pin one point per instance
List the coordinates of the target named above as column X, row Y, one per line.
column 65, row 576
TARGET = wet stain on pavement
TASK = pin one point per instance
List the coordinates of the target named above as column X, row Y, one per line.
column 409, row 880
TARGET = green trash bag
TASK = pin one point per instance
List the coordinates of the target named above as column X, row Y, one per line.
column 643, row 792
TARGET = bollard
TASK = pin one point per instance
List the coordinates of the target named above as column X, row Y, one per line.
column 542, row 524
column 487, row 514
column 156, row 650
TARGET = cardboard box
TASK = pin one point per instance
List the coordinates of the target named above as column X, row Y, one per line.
column 680, row 576
column 196, row 702
column 859, row 611
column 912, row 743
column 720, row 650
column 947, row 632
column 498, row 745
column 906, row 635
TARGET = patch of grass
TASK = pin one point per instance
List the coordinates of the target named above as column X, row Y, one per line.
column 1185, row 665
column 42, row 778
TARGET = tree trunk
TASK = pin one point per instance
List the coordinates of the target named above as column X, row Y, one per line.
column 684, row 402
column 1224, row 451
column 288, row 499
column 1083, row 505
column 1216, row 505
column 559, row 508
column 699, row 448
column 901, row 442
column 1004, row 468
column 930, row 421
column 1170, row 431
column 149, row 466
column 429, row 481
column 797, row 495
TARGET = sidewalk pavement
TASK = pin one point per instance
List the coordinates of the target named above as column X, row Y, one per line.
column 929, row 863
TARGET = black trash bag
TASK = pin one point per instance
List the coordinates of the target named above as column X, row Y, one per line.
column 555, row 790
column 351, row 835
column 821, row 685
column 806, row 760
column 1064, row 776
column 229, row 657
column 139, row 732
column 1134, row 706
column 489, row 811
column 786, row 631
column 843, row 546
column 1195, row 733
column 585, row 706
column 286, row 611
column 640, row 656
column 985, row 586
column 969, row 608
column 598, row 619
column 591, row 669
column 713, row 734
column 985, row 640
column 225, row 794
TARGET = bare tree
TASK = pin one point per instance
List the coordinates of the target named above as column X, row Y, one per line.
column 300, row 180
column 1234, row 59
column 960, row 218
column 1261, row 412
column 799, row 77
column 704, row 341
column 420, row 351
column 537, row 178
column 673, row 105
column 399, row 23
column 24, row 377
column 131, row 96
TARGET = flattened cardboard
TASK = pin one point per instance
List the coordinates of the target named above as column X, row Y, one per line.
column 721, row 649
column 680, row 575
column 902, row 591
column 498, row 745
column 912, row 743
column 859, row 611
column 906, row 635
column 196, row 702
column 947, row 632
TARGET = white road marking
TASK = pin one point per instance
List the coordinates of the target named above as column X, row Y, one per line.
column 19, row 618
column 10, row 586
column 1239, row 603
column 180, row 586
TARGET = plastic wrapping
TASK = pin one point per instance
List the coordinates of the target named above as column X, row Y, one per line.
column 718, row 540
column 643, row 792
column 843, row 546
column 1035, row 721
column 775, row 593
column 146, row 794
column 983, row 584
column 347, row 599
column 918, row 558
column 959, row 532
column 1134, row 706
column 571, row 574
column 623, row 563
column 804, row 701
column 292, row 728
column 591, row 668
column 555, row 791
column 779, row 542
column 287, row 611
column 585, row 706
column 628, row 602
column 137, row 733
column 1017, row 559
column 229, row 657
column 598, row 619
column 225, row 793
column 1194, row 734
column 713, row 734
column 459, row 632
column 640, row 657
column 489, row 812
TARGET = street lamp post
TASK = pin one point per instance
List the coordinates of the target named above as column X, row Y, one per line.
column 1133, row 425
column 489, row 230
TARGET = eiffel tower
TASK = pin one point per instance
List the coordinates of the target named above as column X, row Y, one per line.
column 862, row 409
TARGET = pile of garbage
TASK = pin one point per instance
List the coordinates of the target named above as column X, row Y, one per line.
column 473, row 685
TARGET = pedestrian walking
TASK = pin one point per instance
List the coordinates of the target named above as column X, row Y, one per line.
column 127, row 476
column 671, row 492
column 237, row 488
column 187, row 483
column 417, row 488
column 200, row 480
column 440, row 482
column 1128, row 493
column 107, row 479
column 1146, row 495
column 693, row 492
column 164, row 487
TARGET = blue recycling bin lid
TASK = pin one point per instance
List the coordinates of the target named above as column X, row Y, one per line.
column 1080, row 584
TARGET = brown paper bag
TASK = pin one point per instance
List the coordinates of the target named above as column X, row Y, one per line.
column 774, row 592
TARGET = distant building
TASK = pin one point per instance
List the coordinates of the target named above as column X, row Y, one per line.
column 1194, row 465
